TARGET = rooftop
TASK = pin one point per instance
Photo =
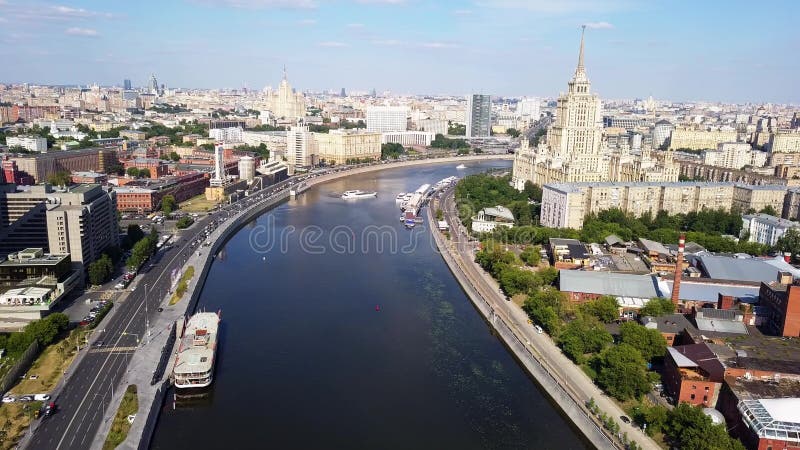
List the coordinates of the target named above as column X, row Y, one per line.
column 608, row 283
column 774, row 418
column 771, row 220
column 741, row 269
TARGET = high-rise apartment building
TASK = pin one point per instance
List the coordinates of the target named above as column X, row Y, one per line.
column 300, row 147
column 479, row 115
column 385, row 119
column 153, row 85
column 661, row 132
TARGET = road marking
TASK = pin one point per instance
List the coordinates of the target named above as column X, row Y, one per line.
column 113, row 349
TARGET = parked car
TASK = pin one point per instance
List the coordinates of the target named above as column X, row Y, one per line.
column 25, row 398
column 41, row 397
column 9, row 399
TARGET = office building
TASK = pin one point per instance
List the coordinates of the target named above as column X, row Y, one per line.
column 384, row 119
column 408, row 138
column 529, row 107
column 225, row 135
column 339, row 146
column 661, row 132
column 300, row 147
column 731, row 155
column 565, row 205
column 126, row 85
column 247, row 168
column 435, row 126
column 29, row 143
column 80, row 221
column 43, row 165
column 478, row 115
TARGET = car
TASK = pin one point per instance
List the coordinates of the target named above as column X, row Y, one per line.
column 539, row 329
column 33, row 377
column 98, row 344
column 625, row 419
column 9, row 399
column 160, row 309
column 50, row 409
column 133, row 288
column 41, row 397
column 25, row 398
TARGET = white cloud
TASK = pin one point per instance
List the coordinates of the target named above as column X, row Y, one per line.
column 261, row 4
column 333, row 44
column 389, row 42
column 355, row 25
column 307, row 22
column 556, row 7
column 67, row 11
column 462, row 12
column 85, row 32
column 599, row 25
column 439, row 45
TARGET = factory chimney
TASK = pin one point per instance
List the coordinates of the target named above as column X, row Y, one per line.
column 676, row 284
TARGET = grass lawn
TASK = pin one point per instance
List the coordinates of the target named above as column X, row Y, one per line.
column 197, row 204
column 182, row 285
column 121, row 426
column 14, row 421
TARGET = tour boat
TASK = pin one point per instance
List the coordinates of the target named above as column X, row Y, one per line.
column 347, row 195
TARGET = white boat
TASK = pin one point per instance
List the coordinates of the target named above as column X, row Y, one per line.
column 400, row 197
column 194, row 363
column 358, row 194
column 461, row 166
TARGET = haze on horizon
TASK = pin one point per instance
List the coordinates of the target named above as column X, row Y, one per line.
column 681, row 50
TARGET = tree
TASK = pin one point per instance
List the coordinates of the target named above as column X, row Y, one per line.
column 789, row 242
column 648, row 341
column 605, row 309
column 100, row 270
column 621, row 372
column 542, row 313
column 513, row 132
column 184, row 222
column 132, row 172
column 439, row 214
column 769, row 210
column 531, row 256
column 533, row 191
column 688, row 426
column 456, row 129
column 168, row 204
column 582, row 336
column 144, row 173
column 60, row 178
column 174, row 156
column 657, row 306
column 391, row 150
column 135, row 233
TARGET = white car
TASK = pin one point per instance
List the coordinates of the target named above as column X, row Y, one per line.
column 9, row 399
column 133, row 288
column 41, row 397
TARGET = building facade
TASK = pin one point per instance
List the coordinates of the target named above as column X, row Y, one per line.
column 765, row 229
column 479, row 115
column 337, row 147
column 565, row 205
column 385, row 119
column 408, row 138
column 30, row 143
column 700, row 139
column 285, row 103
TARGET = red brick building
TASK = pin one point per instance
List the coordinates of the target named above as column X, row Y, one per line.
column 144, row 199
column 782, row 300
column 693, row 374
column 156, row 167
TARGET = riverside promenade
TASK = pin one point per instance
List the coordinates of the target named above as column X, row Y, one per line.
column 566, row 384
column 146, row 358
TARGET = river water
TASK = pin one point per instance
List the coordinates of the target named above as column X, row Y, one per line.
column 342, row 329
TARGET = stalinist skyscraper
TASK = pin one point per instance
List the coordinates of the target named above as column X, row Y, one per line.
column 285, row 103
column 574, row 150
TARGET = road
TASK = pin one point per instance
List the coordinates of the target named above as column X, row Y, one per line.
column 570, row 377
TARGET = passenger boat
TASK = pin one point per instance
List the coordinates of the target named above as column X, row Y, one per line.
column 348, row 195
column 194, row 363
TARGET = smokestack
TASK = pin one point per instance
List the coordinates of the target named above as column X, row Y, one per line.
column 218, row 162
column 676, row 284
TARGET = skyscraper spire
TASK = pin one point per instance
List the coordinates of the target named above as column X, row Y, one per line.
column 580, row 54
column 284, row 71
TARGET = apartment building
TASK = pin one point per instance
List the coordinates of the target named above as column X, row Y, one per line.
column 339, row 146
column 696, row 139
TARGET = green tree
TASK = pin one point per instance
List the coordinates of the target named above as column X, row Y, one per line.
column 604, row 309
column 439, row 214
column 456, row 129
column 533, row 191
column 100, row 270
column 582, row 336
column 513, row 132
column 789, row 242
column 134, row 233
column 648, row 341
column 174, row 156
column 168, row 204
column 531, row 256
column 542, row 313
column 60, row 178
column 391, row 150
column 144, row 173
column 184, row 222
column 133, row 172
column 769, row 210
column 688, row 427
column 621, row 372
column 657, row 306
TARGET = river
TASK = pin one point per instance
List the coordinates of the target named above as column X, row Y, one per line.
column 342, row 329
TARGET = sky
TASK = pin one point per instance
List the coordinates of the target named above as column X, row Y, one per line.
column 680, row 50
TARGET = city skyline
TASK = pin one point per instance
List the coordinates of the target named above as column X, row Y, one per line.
column 501, row 47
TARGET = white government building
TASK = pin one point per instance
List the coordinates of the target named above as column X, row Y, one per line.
column 383, row 119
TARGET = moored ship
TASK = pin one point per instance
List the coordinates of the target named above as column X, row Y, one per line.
column 194, row 363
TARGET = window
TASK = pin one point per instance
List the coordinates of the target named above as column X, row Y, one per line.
column 692, row 397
